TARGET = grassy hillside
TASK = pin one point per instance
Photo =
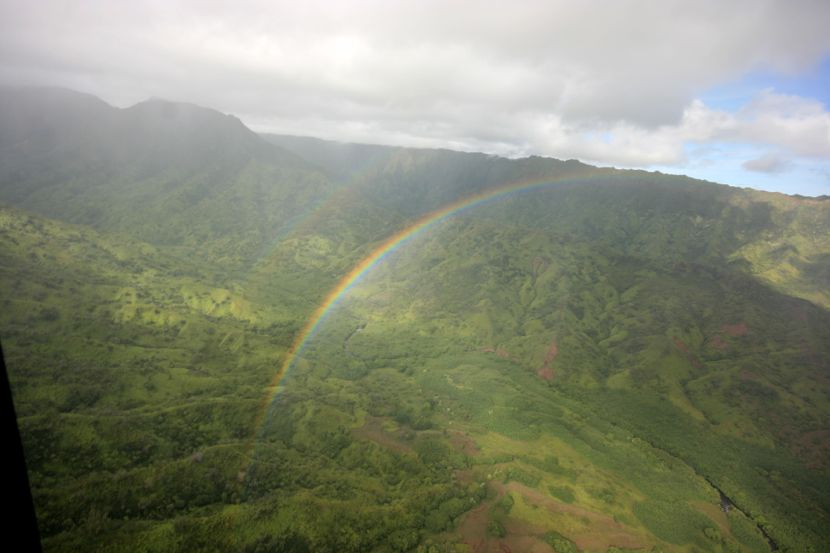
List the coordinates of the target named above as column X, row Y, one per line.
column 711, row 368
column 584, row 367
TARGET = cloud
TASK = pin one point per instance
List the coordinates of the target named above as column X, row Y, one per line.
column 795, row 125
column 768, row 163
column 799, row 124
column 606, row 82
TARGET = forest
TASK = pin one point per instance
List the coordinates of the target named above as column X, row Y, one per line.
column 232, row 342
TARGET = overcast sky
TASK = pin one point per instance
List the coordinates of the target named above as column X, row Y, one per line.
column 732, row 91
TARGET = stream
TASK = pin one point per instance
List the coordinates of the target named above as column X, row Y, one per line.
column 726, row 504
column 359, row 328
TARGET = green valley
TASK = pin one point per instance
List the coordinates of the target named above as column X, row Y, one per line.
column 590, row 360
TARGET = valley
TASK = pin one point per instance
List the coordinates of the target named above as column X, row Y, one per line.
column 224, row 341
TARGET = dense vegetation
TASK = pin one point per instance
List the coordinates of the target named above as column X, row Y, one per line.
column 578, row 367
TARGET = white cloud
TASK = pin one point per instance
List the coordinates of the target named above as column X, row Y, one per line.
column 606, row 82
column 799, row 124
column 796, row 126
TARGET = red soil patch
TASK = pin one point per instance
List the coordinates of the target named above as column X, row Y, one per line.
column 681, row 345
column 521, row 542
column 545, row 372
column 553, row 351
column 739, row 329
column 814, row 448
column 373, row 430
column 500, row 351
column 749, row 375
column 689, row 355
column 473, row 528
column 520, row 537
column 718, row 343
column 464, row 443
column 465, row 476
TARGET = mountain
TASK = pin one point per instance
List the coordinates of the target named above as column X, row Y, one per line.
column 781, row 240
column 168, row 173
column 342, row 160
column 479, row 354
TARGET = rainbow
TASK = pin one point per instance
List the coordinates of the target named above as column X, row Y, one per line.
column 379, row 253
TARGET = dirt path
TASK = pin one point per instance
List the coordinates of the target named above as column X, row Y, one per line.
column 545, row 372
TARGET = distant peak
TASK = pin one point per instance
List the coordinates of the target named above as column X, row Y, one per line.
column 156, row 102
column 54, row 93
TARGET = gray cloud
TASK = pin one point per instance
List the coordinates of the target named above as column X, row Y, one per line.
column 609, row 82
column 768, row 163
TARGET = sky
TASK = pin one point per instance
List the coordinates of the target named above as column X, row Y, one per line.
column 736, row 92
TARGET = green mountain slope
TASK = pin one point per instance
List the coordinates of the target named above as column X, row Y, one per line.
column 780, row 240
column 711, row 367
column 170, row 174
column 582, row 366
